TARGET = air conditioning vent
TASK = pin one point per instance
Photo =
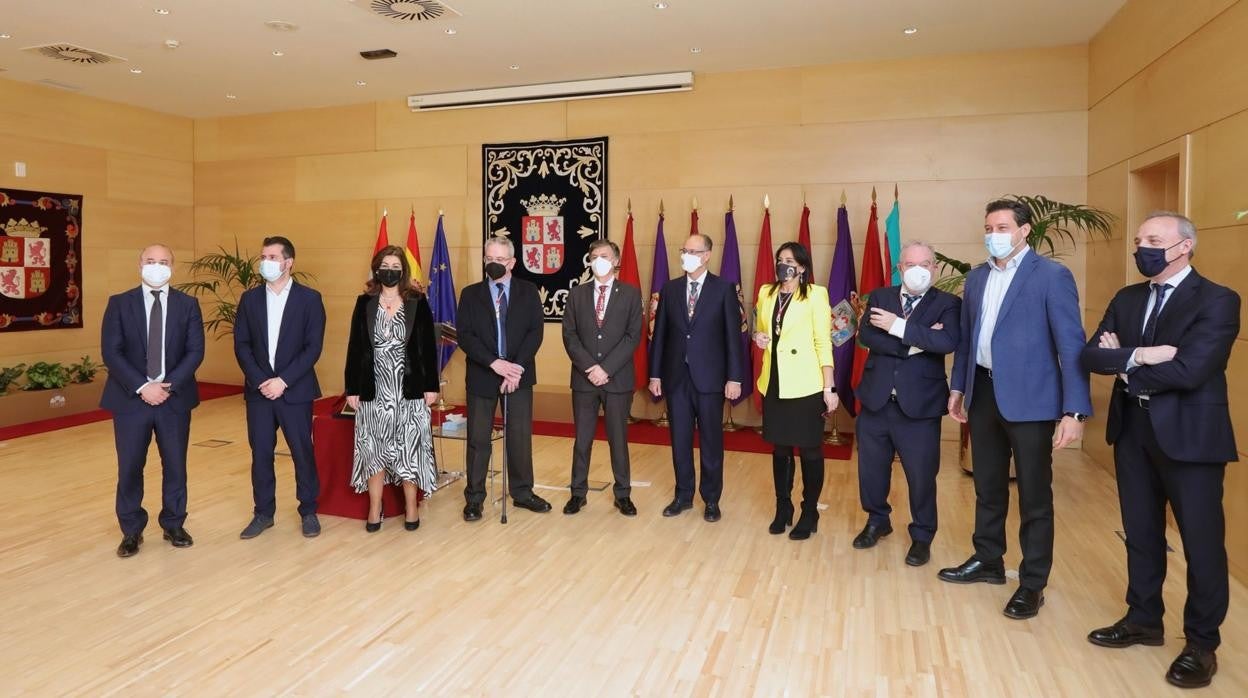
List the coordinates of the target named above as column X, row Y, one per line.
column 74, row 54
column 554, row 92
column 412, row 10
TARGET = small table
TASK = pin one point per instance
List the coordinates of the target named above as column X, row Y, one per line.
column 446, row 477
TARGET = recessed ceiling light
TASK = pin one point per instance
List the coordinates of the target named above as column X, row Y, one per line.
column 278, row 53
column 660, row 6
column 281, row 25
column 137, row 71
column 513, row 66
column 910, row 30
column 161, row 11
column 6, row 36
column 360, row 83
column 231, row 96
column 695, row 49
column 451, row 32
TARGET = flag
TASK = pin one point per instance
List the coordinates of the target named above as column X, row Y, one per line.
column 803, row 237
column 442, row 291
column 873, row 275
column 730, row 271
column 383, row 239
column 693, row 221
column 658, row 277
column 892, row 233
column 630, row 274
column 764, row 273
column 412, row 251
column 841, row 294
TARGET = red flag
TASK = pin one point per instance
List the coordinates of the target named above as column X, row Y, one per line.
column 693, row 221
column 764, row 273
column 872, row 278
column 630, row 274
column 413, row 252
column 383, row 239
column 803, row 237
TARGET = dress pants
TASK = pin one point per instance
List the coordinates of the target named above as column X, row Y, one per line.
column 264, row 417
column 1147, row 479
column 518, row 442
column 132, row 432
column 615, row 406
column 685, row 407
column 993, row 440
column 886, row 431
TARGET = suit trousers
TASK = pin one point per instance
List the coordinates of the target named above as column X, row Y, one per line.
column 882, row 433
column 1147, row 479
column 993, row 440
column 518, row 441
column 685, row 408
column 264, row 417
column 132, row 432
column 615, row 407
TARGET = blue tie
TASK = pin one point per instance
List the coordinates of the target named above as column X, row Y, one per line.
column 1150, row 327
column 909, row 304
column 502, row 320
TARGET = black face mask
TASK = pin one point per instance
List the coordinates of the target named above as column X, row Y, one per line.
column 784, row 272
column 1151, row 261
column 389, row 277
column 495, row 271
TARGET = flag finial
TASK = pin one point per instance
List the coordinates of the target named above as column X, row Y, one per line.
column 766, row 201
column 384, row 213
column 439, row 213
column 695, row 203
column 894, row 191
column 872, row 194
column 660, row 207
column 844, row 198
column 730, row 203
column 630, row 205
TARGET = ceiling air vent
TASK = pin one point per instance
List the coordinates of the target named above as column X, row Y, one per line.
column 74, row 54
column 412, row 10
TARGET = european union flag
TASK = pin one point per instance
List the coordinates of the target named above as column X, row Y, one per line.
column 442, row 291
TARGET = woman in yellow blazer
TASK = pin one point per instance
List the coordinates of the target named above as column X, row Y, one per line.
column 793, row 327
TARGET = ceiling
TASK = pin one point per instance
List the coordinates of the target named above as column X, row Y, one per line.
column 225, row 48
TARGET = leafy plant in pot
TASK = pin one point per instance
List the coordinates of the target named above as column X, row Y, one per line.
column 221, row 277
column 46, row 376
column 9, row 376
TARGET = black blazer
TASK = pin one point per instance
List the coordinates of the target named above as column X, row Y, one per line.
column 420, row 364
column 123, row 344
column 300, row 339
column 478, row 334
column 707, row 346
column 1187, row 396
column 610, row 346
column 919, row 379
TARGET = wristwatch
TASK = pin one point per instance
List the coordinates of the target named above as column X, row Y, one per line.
column 1076, row 415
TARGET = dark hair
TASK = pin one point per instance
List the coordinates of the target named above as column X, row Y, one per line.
column 603, row 242
column 802, row 257
column 1022, row 214
column 288, row 247
column 406, row 288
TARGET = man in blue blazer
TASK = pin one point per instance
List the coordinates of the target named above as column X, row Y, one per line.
column 152, row 340
column 1018, row 379
column 278, row 333
column 909, row 328
column 1168, row 342
column 695, row 360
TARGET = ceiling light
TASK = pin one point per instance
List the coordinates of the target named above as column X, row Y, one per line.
column 451, row 32
column 910, row 30
column 660, row 6
column 695, row 49
column 6, row 36
column 513, row 66
column 281, row 26
column 360, row 83
column 278, row 53
column 137, row 71
column 228, row 96
column 162, row 11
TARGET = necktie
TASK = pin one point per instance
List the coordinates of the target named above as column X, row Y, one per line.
column 601, row 305
column 908, row 307
column 502, row 319
column 693, row 297
column 155, row 338
column 1150, row 327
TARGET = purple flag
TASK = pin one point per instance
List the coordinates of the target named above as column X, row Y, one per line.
column 842, row 293
column 658, row 277
column 730, row 271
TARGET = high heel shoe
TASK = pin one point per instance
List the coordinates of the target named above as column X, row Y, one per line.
column 784, row 517
column 411, row 525
column 375, row 527
column 806, row 525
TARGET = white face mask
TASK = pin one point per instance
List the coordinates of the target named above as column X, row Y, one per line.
column 917, row 280
column 271, row 270
column 999, row 245
column 156, row 274
column 601, row 266
column 690, row 262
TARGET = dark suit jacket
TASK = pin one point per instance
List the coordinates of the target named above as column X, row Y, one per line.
column 420, row 365
column 1037, row 375
column 298, row 346
column 478, row 334
column 123, row 344
column 919, row 379
column 710, row 342
column 610, row 346
column 1187, row 396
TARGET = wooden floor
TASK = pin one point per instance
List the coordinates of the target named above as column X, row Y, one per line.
column 592, row 605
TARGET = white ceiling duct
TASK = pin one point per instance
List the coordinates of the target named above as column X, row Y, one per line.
column 554, row 91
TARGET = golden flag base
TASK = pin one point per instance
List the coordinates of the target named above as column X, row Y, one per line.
column 833, row 436
column 728, row 424
column 662, row 420
column 632, row 419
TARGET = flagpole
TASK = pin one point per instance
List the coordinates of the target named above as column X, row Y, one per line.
column 631, row 419
column 662, row 420
column 833, row 436
column 728, row 425
column 441, row 406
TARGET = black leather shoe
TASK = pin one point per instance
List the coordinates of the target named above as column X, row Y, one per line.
column 472, row 512
column 973, row 571
column 1124, row 634
column 411, row 525
column 870, row 535
column 130, row 545
column 1024, row 604
column 807, row 524
column 784, row 517
column 372, row 526
column 179, row 537
column 1193, row 668
column 625, row 505
column 676, row 507
column 919, row 554
column 712, row 513
column 533, row 503
column 574, row 505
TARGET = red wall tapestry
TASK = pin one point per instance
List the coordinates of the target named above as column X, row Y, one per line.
column 40, row 260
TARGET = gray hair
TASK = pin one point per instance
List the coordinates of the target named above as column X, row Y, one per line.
column 1187, row 229
column 917, row 243
column 502, row 241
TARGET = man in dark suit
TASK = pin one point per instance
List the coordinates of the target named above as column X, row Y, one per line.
column 1168, row 341
column 152, row 340
column 695, row 360
column 500, row 363
column 601, row 330
column 909, row 330
column 278, row 334
column 1016, row 372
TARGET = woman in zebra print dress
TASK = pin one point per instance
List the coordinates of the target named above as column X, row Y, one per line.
column 392, row 379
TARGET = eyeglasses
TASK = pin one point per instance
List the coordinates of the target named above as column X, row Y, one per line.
column 500, row 260
column 684, row 251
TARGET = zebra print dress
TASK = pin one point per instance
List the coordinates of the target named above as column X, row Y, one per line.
column 391, row 433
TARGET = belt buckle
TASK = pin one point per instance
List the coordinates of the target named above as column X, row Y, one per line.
column 1142, row 402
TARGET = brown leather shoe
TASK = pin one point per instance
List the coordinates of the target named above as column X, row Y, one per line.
column 1193, row 668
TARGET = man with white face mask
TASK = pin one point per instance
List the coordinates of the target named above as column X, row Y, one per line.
column 152, row 341
column 909, row 329
column 601, row 330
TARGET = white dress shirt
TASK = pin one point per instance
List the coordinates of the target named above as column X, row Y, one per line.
column 1173, row 282
column 275, row 304
column 997, row 286
column 898, row 328
column 148, row 301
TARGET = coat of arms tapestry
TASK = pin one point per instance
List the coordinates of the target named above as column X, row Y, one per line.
column 40, row 260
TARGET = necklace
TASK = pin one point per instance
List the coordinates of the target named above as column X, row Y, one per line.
column 389, row 303
column 782, row 308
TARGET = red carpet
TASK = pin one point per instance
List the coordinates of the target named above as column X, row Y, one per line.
column 207, row 391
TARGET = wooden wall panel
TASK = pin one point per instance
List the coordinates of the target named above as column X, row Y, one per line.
column 113, row 224
column 153, row 180
column 327, row 223
column 58, row 167
column 398, row 127
column 269, row 181
column 304, row 132
column 1219, row 164
column 437, row 171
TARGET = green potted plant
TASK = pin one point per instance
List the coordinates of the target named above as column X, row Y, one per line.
column 221, row 277
column 84, row 371
column 42, row 375
column 9, row 376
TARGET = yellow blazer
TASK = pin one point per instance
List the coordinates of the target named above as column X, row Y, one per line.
column 805, row 345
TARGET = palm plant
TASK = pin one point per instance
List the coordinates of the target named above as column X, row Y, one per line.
column 1051, row 222
column 223, row 276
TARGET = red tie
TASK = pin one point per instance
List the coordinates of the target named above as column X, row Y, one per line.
column 601, row 305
